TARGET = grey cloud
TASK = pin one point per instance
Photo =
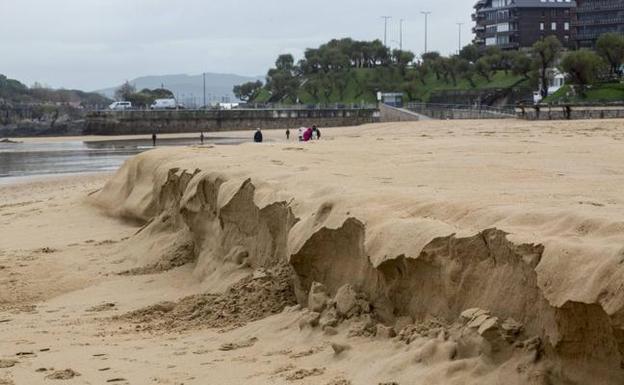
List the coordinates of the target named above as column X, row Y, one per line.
column 97, row 43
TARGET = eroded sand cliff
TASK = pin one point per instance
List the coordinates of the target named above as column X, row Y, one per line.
column 500, row 254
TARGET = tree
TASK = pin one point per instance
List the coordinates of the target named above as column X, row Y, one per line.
column 546, row 53
column 521, row 64
column 611, row 47
column 465, row 69
column 282, row 80
column 125, row 91
column 582, row 68
column 421, row 71
column 247, row 92
column 433, row 61
column 484, row 68
column 470, row 53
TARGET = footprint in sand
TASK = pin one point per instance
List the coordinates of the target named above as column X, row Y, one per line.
column 339, row 381
column 238, row 345
column 304, row 373
column 4, row 364
column 66, row 374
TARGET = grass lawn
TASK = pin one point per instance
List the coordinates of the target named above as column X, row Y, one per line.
column 607, row 92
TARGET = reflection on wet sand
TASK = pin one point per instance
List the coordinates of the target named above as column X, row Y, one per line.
column 31, row 159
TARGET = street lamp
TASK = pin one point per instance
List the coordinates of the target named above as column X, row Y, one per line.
column 401, row 34
column 459, row 26
column 426, row 13
column 386, row 18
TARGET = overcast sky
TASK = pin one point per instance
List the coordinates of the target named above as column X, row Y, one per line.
column 92, row 44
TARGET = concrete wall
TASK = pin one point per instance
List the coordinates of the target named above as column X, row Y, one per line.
column 445, row 113
column 545, row 112
column 146, row 122
column 393, row 114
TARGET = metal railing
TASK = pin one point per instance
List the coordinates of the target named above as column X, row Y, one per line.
column 503, row 110
column 261, row 106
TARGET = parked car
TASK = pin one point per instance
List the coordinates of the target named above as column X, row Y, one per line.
column 164, row 104
column 120, row 106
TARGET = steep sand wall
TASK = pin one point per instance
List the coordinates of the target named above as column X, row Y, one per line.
column 417, row 267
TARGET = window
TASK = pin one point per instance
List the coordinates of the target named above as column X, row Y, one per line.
column 553, row 26
column 566, row 26
column 541, row 26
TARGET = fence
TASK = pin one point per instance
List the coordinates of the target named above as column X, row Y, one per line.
column 459, row 111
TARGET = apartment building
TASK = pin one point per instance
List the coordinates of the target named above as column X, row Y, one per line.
column 593, row 18
column 516, row 24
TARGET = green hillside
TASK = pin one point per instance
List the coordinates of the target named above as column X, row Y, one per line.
column 362, row 85
column 606, row 92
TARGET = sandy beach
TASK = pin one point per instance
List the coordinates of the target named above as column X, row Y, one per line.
column 438, row 252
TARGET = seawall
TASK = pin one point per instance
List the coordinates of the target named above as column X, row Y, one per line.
column 570, row 112
column 181, row 121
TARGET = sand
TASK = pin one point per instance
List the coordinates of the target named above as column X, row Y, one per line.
column 441, row 252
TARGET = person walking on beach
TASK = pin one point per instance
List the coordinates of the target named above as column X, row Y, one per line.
column 316, row 134
column 258, row 136
column 154, row 139
column 301, row 134
column 201, row 137
column 288, row 134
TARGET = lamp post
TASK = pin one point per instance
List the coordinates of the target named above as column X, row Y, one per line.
column 386, row 18
column 459, row 27
column 401, row 34
column 204, row 106
column 426, row 13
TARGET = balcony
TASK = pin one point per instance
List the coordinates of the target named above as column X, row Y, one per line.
column 597, row 22
column 599, row 6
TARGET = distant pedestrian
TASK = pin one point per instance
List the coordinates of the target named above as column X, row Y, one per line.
column 154, row 139
column 201, row 137
column 287, row 134
column 258, row 136
column 316, row 133
column 301, row 134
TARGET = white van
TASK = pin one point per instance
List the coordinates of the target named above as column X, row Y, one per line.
column 120, row 106
column 164, row 104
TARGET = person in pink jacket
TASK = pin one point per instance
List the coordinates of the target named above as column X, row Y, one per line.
column 307, row 135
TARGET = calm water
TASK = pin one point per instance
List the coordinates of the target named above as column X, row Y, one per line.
column 22, row 160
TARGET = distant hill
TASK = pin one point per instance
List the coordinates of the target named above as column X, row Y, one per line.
column 189, row 88
column 14, row 92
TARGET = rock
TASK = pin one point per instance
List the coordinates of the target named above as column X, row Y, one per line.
column 511, row 329
column 259, row 274
column 402, row 322
column 310, row 319
column 292, row 309
column 470, row 313
column 365, row 326
column 477, row 321
column 491, row 324
column 346, row 301
column 318, row 297
column 385, row 331
column 329, row 318
column 330, row 331
column 339, row 348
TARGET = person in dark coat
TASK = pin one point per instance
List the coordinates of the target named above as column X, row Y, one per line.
column 154, row 139
column 258, row 136
column 288, row 134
